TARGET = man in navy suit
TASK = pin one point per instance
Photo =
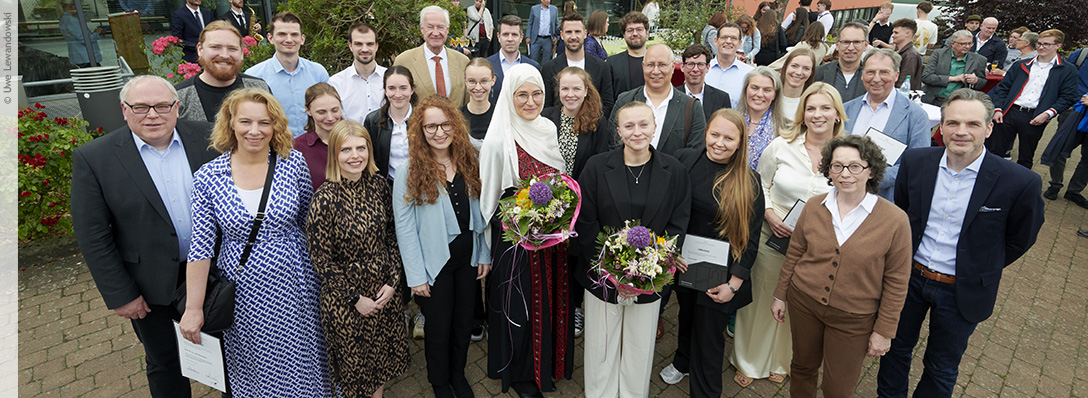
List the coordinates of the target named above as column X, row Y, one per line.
column 988, row 45
column 542, row 31
column 509, row 55
column 971, row 214
column 186, row 24
column 696, row 62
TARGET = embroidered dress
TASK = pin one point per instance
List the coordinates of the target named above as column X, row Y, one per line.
column 529, row 315
column 759, row 138
column 276, row 345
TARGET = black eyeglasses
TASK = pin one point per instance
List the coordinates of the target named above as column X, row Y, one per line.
column 141, row 109
column 433, row 128
column 855, row 168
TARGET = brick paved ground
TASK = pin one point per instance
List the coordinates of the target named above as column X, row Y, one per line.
column 71, row 345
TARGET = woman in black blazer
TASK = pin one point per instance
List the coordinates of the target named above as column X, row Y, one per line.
column 726, row 204
column 634, row 182
column 389, row 124
column 582, row 126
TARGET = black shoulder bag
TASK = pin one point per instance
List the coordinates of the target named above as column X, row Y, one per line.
column 219, row 295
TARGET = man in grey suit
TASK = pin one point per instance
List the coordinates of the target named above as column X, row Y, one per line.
column 952, row 68
column 843, row 74
column 676, row 128
column 542, row 31
column 130, row 212
column 696, row 62
column 883, row 108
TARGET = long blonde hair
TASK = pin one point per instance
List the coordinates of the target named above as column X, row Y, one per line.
column 223, row 138
column 734, row 189
column 798, row 128
column 339, row 133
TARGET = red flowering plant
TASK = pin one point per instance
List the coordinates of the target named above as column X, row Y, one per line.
column 166, row 53
column 45, row 170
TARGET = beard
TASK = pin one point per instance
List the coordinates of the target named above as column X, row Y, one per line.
column 223, row 73
column 575, row 47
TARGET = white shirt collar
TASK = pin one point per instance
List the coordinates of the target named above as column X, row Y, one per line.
column 890, row 100
column 429, row 54
column 140, row 143
column 867, row 204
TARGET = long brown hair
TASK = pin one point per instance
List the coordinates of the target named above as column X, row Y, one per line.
column 314, row 92
column 798, row 52
column 590, row 111
column 768, row 27
column 814, row 35
column 383, row 116
column 734, row 189
column 800, row 21
column 745, row 19
column 424, row 173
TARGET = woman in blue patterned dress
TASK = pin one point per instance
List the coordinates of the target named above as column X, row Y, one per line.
column 760, row 106
column 276, row 345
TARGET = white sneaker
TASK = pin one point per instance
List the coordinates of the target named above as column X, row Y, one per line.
column 417, row 331
column 579, row 321
column 672, row 376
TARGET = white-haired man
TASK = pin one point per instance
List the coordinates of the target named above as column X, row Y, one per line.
column 444, row 66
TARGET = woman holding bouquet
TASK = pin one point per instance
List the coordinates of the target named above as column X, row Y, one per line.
column 726, row 204
column 531, row 337
column 632, row 183
column 762, row 347
column 440, row 232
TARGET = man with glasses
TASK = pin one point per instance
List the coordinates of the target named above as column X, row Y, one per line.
column 1031, row 93
column 675, row 128
column 627, row 66
column 696, row 60
column 436, row 68
column 726, row 72
column 574, row 36
column 951, row 68
column 843, row 73
column 220, row 51
column 131, row 216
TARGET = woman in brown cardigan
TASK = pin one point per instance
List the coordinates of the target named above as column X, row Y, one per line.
column 846, row 272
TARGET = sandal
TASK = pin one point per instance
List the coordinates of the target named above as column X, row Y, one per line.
column 741, row 379
column 777, row 378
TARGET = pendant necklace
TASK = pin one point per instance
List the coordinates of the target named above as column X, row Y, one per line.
column 639, row 172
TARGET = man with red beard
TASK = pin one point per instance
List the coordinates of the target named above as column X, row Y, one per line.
column 220, row 56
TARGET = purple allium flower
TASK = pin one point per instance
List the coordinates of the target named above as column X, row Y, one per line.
column 639, row 237
column 540, row 193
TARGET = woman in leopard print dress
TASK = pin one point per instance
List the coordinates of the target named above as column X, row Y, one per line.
column 353, row 245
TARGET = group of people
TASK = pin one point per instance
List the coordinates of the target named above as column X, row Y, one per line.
column 389, row 187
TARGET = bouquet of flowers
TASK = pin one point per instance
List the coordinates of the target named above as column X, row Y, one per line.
column 542, row 213
column 636, row 260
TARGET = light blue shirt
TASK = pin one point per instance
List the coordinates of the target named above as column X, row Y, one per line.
column 951, row 195
column 506, row 64
column 877, row 119
column 728, row 79
column 290, row 88
column 545, row 25
column 169, row 169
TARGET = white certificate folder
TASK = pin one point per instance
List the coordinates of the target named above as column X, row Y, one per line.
column 708, row 263
column 202, row 362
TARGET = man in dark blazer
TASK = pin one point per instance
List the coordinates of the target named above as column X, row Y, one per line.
column 186, row 25
column 658, row 92
column 696, row 60
column 576, row 52
column 849, row 62
column 1023, row 110
column 240, row 17
column 971, row 215
column 130, row 213
column 508, row 55
column 988, row 45
column 626, row 66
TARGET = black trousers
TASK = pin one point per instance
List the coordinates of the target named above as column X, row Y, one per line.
column 1015, row 123
column 1080, row 175
column 448, row 328
column 156, row 332
column 700, row 344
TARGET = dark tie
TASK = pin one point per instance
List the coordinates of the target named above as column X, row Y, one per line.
column 199, row 19
column 241, row 21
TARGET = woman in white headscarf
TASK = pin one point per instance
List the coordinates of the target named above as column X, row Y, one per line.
column 530, row 322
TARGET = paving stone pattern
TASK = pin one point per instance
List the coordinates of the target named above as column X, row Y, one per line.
column 70, row 345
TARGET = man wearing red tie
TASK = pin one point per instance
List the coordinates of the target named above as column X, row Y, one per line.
column 444, row 66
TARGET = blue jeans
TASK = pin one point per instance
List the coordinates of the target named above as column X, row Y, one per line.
column 948, row 337
column 540, row 49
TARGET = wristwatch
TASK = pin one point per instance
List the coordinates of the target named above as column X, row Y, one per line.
column 731, row 288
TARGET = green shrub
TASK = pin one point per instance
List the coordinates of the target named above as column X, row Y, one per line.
column 45, row 171
column 687, row 18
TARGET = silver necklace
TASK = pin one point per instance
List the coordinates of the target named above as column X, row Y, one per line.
column 639, row 172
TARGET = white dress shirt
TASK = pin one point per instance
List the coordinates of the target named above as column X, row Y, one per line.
column 696, row 96
column 359, row 95
column 660, row 110
column 786, row 172
column 398, row 144
column 1033, row 89
column 445, row 68
column 729, row 78
column 846, row 226
column 877, row 119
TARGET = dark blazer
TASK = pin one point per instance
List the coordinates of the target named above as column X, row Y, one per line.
column 713, row 100
column 935, row 74
column 183, row 25
column 496, row 63
column 382, row 137
column 1059, row 92
column 995, row 50
column 247, row 14
column 1002, row 222
column 120, row 221
column 739, row 267
column 597, row 69
column 770, row 53
column 589, row 144
column 672, row 134
column 604, row 179
column 828, row 72
column 622, row 81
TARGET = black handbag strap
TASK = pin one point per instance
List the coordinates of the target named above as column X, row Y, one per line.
column 257, row 221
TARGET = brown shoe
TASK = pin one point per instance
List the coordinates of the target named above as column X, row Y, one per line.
column 660, row 328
